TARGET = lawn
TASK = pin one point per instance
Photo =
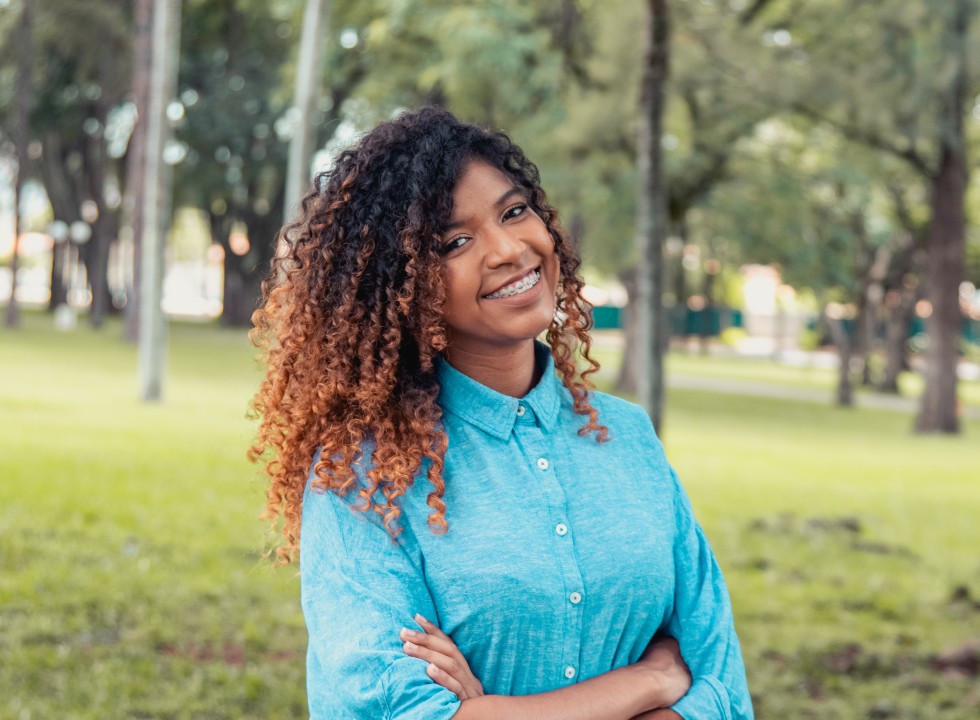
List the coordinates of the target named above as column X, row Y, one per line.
column 134, row 586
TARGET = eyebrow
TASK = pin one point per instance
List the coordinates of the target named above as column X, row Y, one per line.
column 514, row 190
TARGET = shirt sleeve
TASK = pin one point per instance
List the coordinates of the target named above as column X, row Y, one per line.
column 359, row 588
column 703, row 625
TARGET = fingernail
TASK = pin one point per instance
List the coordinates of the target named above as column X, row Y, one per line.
column 406, row 633
column 409, row 647
column 421, row 619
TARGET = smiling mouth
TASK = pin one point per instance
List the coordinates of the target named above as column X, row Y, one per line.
column 516, row 288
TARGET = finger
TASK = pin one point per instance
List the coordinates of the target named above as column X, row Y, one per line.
column 446, row 680
column 441, row 643
column 447, row 663
column 430, row 627
column 446, row 666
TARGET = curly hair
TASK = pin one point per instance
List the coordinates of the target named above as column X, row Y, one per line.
column 351, row 323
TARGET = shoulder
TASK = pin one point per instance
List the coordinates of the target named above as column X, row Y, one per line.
column 622, row 416
column 340, row 523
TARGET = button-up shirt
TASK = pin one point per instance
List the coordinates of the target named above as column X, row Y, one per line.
column 564, row 558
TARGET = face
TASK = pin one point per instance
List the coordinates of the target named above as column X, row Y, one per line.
column 501, row 267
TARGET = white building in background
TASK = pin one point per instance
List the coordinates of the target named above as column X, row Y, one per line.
column 772, row 318
column 191, row 288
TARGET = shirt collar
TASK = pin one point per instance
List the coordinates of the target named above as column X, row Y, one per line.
column 495, row 412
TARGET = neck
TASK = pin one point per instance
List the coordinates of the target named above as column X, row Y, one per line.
column 510, row 371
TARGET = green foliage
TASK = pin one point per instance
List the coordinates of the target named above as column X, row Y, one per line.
column 232, row 56
column 71, row 72
column 732, row 336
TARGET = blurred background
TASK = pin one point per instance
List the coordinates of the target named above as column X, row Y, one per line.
column 776, row 212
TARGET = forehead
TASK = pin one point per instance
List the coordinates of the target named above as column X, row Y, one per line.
column 480, row 185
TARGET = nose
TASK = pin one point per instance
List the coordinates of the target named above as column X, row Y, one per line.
column 504, row 247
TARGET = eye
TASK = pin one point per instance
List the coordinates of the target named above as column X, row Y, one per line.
column 454, row 244
column 515, row 211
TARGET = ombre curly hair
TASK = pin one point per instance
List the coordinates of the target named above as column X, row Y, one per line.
column 351, row 321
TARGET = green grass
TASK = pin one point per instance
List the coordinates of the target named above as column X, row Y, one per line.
column 132, row 584
column 766, row 371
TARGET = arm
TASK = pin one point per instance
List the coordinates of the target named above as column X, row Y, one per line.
column 658, row 679
column 356, row 585
column 617, row 695
column 703, row 624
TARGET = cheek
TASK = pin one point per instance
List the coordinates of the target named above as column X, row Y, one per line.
column 554, row 268
column 461, row 294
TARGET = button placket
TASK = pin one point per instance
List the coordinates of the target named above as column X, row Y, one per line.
column 539, row 449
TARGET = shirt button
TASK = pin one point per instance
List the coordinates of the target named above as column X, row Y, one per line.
column 542, row 463
column 575, row 598
column 521, row 410
column 569, row 672
column 561, row 529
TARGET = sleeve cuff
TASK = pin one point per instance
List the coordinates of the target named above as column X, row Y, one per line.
column 409, row 698
column 706, row 700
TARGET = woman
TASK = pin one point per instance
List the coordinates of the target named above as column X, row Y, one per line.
column 462, row 473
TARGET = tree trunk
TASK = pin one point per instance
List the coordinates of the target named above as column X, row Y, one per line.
column 97, row 248
column 244, row 275
column 652, row 213
column 938, row 412
column 136, row 156
column 306, row 93
column 242, row 291
column 870, row 301
column 861, row 347
column 63, row 194
column 626, row 380
column 59, row 289
column 157, row 199
column 947, row 239
column 24, row 101
column 900, row 310
column 845, row 389
column 707, row 312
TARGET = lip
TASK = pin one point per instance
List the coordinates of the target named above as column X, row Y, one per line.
column 515, row 278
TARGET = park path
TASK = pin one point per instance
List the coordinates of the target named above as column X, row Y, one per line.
column 820, row 396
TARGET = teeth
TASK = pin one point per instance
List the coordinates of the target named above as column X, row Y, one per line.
column 516, row 288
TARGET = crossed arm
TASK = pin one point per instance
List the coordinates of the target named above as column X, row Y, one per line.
column 642, row 691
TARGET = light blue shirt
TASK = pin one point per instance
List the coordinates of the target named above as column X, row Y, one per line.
column 564, row 557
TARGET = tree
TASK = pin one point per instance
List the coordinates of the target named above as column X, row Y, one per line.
column 651, row 211
column 835, row 217
column 78, row 87
column 156, row 198
column 136, row 155
column 705, row 114
column 23, row 101
column 306, row 95
column 896, row 79
column 493, row 63
column 230, row 160
column 947, row 231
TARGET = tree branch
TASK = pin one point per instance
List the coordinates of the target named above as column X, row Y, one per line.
column 867, row 137
column 754, row 9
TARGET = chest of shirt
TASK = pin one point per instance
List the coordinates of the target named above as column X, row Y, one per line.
column 547, row 527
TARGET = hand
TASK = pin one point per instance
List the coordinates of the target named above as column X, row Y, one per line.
column 447, row 666
column 663, row 658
